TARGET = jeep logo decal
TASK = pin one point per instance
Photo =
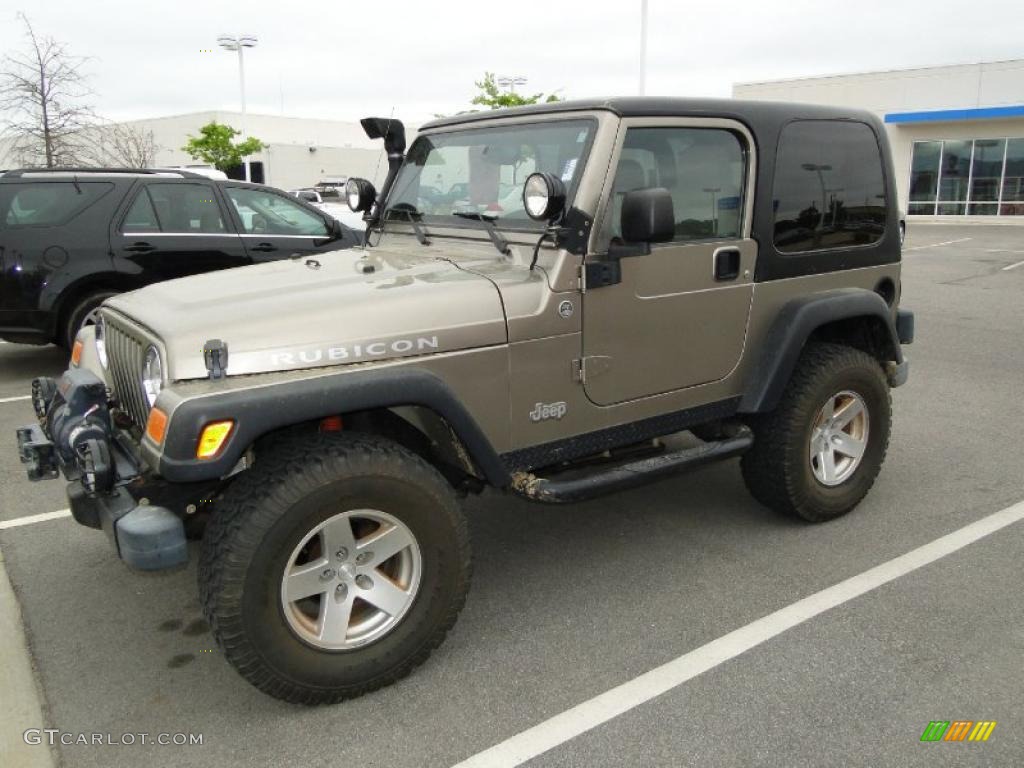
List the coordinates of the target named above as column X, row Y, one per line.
column 544, row 411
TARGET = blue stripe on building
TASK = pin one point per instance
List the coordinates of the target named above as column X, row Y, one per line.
column 951, row 115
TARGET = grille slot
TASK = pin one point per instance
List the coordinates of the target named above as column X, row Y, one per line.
column 125, row 354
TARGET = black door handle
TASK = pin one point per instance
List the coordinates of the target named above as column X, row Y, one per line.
column 727, row 264
column 140, row 247
column 264, row 247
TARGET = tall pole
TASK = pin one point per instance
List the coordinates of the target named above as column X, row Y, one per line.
column 241, row 80
column 237, row 43
column 643, row 47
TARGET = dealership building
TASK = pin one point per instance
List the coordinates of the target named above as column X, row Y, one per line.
column 957, row 132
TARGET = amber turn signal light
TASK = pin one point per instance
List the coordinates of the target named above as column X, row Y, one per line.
column 76, row 354
column 212, row 438
column 156, row 425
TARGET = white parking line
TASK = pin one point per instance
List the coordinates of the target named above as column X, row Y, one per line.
column 936, row 245
column 1013, row 266
column 17, row 399
column 30, row 519
column 621, row 699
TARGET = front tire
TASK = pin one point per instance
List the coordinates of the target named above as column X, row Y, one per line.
column 818, row 453
column 335, row 568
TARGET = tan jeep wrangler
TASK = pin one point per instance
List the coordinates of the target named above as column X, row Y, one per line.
column 544, row 296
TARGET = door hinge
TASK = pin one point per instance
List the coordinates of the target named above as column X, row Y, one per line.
column 597, row 274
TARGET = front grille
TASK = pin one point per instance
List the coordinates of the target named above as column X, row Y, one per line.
column 125, row 353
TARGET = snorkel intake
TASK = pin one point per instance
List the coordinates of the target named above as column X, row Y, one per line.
column 393, row 133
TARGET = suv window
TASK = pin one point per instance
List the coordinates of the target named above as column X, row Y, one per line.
column 176, row 209
column 141, row 217
column 47, row 203
column 264, row 213
column 829, row 186
column 703, row 169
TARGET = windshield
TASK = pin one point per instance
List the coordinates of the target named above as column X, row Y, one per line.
column 482, row 170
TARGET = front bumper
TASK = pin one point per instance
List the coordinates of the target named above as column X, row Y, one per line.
column 146, row 537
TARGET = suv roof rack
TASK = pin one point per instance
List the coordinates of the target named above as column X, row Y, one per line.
column 19, row 172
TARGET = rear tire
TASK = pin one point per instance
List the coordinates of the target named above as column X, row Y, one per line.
column 796, row 464
column 81, row 316
column 288, row 513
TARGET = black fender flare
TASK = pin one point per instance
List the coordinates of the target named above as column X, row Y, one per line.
column 794, row 325
column 262, row 409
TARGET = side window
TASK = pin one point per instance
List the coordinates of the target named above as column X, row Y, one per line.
column 264, row 213
column 829, row 189
column 185, row 208
column 703, row 168
column 141, row 217
column 47, row 203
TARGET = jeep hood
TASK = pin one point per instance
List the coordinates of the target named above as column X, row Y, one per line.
column 351, row 306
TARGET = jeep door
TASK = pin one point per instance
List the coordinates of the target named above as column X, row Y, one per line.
column 678, row 317
column 172, row 229
column 275, row 225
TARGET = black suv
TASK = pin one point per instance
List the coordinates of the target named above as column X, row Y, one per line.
column 71, row 238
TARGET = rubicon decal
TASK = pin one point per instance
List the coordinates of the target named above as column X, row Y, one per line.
column 958, row 730
column 356, row 352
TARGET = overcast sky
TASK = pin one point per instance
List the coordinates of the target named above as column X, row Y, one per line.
column 344, row 59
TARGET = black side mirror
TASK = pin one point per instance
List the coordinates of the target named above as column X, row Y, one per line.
column 336, row 229
column 648, row 216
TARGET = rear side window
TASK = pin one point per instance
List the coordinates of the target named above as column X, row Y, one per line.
column 50, row 203
column 175, row 209
column 141, row 217
column 829, row 186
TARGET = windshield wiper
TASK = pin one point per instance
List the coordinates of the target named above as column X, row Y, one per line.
column 499, row 242
column 411, row 215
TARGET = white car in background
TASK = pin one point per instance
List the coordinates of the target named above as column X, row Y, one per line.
column 338, row 210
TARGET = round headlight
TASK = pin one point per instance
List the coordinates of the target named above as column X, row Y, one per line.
column 360, row 194
column 152, row 375
column 100, row 330
column 543, row 196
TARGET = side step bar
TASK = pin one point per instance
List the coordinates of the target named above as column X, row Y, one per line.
column 630, row 475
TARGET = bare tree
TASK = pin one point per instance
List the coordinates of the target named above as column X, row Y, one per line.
column 121, row 145
column 42, row 100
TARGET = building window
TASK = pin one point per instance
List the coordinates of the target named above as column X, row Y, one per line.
column 972, row 177
column 1013, row 179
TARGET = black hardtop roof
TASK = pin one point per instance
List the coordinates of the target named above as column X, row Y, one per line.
column 749, row 112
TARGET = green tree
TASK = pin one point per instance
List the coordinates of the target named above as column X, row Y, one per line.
column 492, row 96
column 215, row 146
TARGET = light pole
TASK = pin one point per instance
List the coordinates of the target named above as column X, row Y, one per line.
column 240, row 43
column 820, row 170
column 833, row 202
column 509, row 83
column 643, row 47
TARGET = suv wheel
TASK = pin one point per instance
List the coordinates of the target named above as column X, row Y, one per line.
column 817, row 455
column 335, row 568
column 81, row 315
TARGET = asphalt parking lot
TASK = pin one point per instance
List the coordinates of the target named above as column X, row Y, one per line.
column 568, row 603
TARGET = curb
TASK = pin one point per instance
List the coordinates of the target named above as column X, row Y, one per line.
column 19, row 694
